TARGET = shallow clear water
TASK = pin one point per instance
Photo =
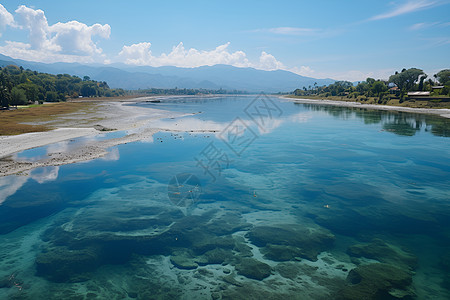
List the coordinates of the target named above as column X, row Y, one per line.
column 271, row 199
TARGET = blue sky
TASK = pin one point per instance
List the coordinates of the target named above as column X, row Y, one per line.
column 348, row 40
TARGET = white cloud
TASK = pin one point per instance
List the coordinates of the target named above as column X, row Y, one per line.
column 303, row 70
column 408, row 7
column 421, row 26
column 23, row 51
column 36, row 23
column 76, row 38
column 68, row 42
column 141, row 54
column 6, row 18
column 137, row 54
column 298, row 31
column 292, row 30
column 269, row 62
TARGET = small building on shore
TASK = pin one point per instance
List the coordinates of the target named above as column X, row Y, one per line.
column 394, row 90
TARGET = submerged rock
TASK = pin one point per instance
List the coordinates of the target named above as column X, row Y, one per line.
column 183, row 260
column 82, row 244
column 254, row 269
column 288, row 241
column 384, row 253
column 288, row 270
column 210, row 242
column 227, row 223
column 183, row 263
column 64, row 265
column 242, row 247
column 282, row 252
column 215, row 256
column 377, row 281
column 231, row 280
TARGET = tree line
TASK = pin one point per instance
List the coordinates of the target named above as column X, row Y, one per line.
column 21, row 87
column 398, row 85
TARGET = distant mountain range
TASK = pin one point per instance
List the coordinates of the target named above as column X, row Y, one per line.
column 207, row 77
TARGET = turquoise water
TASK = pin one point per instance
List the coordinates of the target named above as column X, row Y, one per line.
column 297, row 201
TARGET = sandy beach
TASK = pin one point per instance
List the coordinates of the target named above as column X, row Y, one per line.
column 118, row 116
column 441, row 112
column 108, row 116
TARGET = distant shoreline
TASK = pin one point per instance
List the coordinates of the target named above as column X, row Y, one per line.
column 443, row 112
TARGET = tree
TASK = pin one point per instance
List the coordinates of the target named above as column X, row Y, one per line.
column 18, row 96
column 362, row 87
column 422, row 78
column 338, row 88
column 31, row 91
column 5, row 90
column 378, row 87
column 443, row 77
column 42, row 86
column 88, row 89
column 370, row 81
column 406, row 79
column 51, row 96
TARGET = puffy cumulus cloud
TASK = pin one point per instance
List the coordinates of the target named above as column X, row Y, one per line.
column 6, row 18
column 137, row 54
column 76, row 38
column 140, row 54
column 68, row 42
column 36, row 23
column 193, row 57
column 23, row 51
column 269, row 62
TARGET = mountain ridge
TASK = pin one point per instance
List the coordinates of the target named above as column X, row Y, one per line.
column 207, row 77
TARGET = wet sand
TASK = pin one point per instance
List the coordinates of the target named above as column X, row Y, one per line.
column 109, row 116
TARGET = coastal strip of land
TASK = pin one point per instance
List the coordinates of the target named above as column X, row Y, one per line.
column 443, row 112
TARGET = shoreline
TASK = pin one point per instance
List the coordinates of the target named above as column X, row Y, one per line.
column 111, row 116
column 443, row 112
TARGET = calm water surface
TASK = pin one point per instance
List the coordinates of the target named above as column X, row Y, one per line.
column 264, row 199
